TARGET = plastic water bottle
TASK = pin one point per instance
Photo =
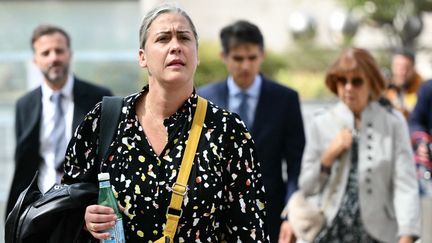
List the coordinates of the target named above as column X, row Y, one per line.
column 106, row 198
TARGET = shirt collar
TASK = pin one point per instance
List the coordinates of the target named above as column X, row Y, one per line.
column 66, row 91
column 253, row 91
column 184, row 110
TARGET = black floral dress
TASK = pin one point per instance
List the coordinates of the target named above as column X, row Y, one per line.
column 225, row 201
column 347, row 226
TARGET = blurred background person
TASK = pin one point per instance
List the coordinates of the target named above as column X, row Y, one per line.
column 271, row 112
column 358, row 157
column 225, row 196
column 47, row 116
column 420, row 124
column 404, row 82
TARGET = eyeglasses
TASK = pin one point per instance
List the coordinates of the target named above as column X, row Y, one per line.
column 354, row 81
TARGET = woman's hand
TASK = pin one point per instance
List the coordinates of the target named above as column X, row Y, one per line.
column 422, row 151
column 406, row 239
column 99, row 218
column 339, row 144
column 286, row 234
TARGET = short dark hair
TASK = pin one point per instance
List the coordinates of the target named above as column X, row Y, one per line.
column 240, row 32
column 47, row 29
column 358, row 61
column 406, row 52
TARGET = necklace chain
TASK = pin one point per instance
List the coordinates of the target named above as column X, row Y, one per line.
column 147, row 107
column 152, row 114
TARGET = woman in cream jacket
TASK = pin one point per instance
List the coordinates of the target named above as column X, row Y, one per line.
column 358, row 159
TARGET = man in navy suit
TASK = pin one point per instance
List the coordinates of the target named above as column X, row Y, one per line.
column 270, row 111
column 61, row 101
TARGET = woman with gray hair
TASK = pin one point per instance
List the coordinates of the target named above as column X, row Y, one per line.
column 224, row 199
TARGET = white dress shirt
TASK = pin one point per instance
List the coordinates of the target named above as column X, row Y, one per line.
column 48, row 174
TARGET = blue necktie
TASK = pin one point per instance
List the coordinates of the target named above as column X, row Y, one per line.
column 243, row 108
column 58, row 132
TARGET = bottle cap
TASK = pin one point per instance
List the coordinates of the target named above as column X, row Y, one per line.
column 103, row 176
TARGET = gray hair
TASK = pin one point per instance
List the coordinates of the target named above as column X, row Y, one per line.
column 156, row 12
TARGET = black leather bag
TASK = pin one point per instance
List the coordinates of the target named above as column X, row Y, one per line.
column 58, row 215
column 39, row 217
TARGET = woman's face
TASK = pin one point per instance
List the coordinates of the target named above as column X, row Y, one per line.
column 354, row 91
column 170, row 53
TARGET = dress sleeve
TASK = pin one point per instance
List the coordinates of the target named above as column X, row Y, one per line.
column 81, row 164
column 244, row 189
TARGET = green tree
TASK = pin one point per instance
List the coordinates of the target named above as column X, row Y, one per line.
column 401, row 20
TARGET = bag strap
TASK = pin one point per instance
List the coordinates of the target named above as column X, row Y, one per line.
column 179, row 188
column 110, row 115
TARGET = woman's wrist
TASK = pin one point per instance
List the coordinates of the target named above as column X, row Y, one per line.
column 326, row 160
column 325, row 169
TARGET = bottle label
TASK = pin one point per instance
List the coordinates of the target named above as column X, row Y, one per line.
column 103, row 184
column 116, row 233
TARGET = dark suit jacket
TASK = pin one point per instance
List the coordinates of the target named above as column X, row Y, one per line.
column 28, row 116
column 278, row 134
column 421, row 117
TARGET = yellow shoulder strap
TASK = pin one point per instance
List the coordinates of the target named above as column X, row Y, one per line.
column 179, row 188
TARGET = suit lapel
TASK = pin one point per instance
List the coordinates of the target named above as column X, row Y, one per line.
column 80, row 102
column 260, row 113
column 221, row 95
column 34, row 111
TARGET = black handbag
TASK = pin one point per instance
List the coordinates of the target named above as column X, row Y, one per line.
column 58, row 215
